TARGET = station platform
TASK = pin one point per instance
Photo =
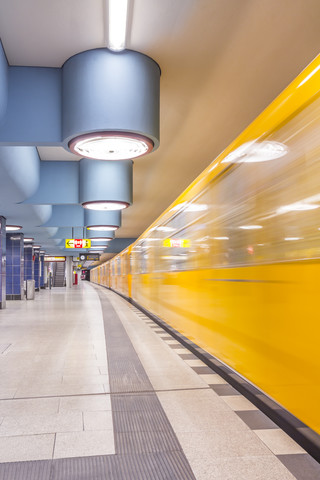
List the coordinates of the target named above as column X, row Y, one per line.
column 91, row 388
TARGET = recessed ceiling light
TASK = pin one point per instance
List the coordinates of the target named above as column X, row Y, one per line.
column 13, row 228
column 250, row 227
column 111, row 145
column 118, row 10
column 220, row 238
column 103, row 228
column 27, row 240
column 105, row 205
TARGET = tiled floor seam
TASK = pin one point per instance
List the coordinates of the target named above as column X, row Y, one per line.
column 137, row 442
column 291, row 466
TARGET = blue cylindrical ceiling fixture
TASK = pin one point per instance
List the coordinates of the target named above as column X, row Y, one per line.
column 105, row 185
column 110, row 104
column 102, row 221
column 103, row 236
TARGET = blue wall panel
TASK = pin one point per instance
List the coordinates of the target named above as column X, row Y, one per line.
column 37, row 270
column 15, row 266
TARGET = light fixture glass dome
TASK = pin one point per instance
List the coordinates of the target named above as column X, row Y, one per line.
column 103, row 228
column 105, row 205
column 13, row 228
column 111, row 145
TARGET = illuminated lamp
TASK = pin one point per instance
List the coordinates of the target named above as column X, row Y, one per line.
column 105, row 205
column 105, row 185
column 104, row 236
column 102, row 228
column 110, row 104
column 13, row 228
column 111, row 146
column 102, row 221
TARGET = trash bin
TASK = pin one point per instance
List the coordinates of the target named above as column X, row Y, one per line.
column 30, row 289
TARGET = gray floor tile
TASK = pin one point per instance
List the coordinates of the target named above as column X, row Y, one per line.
column 40, row 424
column 224, row 390
column 84, row 444
column 98, row 420
column 26, row 447
column 279, row 442
column 256, row 420
column 303, row 467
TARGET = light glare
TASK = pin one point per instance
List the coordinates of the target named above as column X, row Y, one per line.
column 105, row 205
column 117, row 24
column 250, row 227
column 102, row 228
column 117, row 147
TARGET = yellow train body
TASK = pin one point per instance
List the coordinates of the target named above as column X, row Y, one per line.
column 234, row 263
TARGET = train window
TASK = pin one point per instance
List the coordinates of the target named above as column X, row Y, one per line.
column 118, row 265
column 272, row 213
column 144, row 256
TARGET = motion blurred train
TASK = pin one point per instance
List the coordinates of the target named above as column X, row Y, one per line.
column 234, row 263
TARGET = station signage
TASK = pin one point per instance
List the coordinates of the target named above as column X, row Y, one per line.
column 77, row 243
column 89, row 257
column 47, row 258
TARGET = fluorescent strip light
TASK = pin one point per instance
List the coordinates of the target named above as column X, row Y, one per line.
column 118, row 10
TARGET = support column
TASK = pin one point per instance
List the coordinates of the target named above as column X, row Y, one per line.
column 36, row 270
column 69, row 272
column 2, row 262
column 42, row 271
column 28, row 262
column 15, row 266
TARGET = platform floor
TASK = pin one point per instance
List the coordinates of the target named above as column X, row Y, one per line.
column 90, row 388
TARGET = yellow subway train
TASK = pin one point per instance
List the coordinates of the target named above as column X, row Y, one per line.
column 234, row 263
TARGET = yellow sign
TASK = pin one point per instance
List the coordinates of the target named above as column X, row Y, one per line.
column 77, row 243
column 176, row 242
column 47, row 258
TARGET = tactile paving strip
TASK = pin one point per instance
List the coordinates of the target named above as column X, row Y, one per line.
column 146, row 445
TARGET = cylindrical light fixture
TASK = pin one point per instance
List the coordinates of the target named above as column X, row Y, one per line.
column 110, row 104
column 105, row 185
column 105, row 236
column 102, row 221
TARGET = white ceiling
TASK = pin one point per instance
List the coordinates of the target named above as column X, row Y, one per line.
column 222, row 62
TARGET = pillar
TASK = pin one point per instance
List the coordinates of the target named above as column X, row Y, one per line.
column 69, row 272
column 28, row 262
column 36, row 257
column 2, row 262
column 42, row 271
column 15, row 266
